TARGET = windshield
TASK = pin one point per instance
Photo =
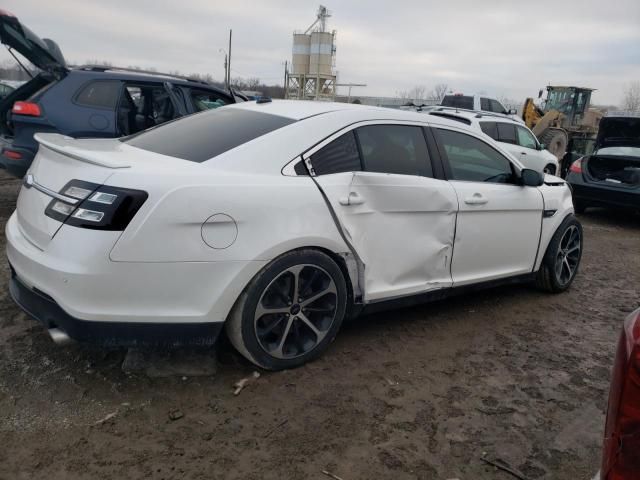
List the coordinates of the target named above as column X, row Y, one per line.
column 620, row 151
column 458, row 101
column 205, row 135
column 561, row 100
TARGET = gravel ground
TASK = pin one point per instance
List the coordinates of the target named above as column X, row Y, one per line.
column 419, row 393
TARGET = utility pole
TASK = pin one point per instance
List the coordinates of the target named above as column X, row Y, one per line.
column 229, row 62
column 226, row 75
column 286, row 62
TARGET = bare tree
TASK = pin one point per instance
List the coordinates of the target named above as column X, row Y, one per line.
column 631, row 98
column 509, row 103
column 438, row 92
column 416, row 94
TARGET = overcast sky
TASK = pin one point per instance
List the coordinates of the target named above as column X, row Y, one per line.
column 506, row 48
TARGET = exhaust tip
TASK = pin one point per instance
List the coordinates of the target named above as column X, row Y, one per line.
column 59, row 337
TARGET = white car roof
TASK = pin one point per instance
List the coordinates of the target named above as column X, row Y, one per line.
column 301, row 109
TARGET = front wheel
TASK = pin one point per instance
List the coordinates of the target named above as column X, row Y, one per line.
column 562, row 258
column 290, row 312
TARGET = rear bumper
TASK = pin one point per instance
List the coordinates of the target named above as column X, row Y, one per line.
column 600, row 194
column 45, row 310
column 80, row 290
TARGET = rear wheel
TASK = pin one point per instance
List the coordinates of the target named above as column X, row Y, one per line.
column 290, row 312
column 550, row 169
column 562, row 258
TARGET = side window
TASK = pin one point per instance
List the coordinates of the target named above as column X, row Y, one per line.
column 206, row 100
column 526, row 139
column 507, row 133
column 339, row 156
column 490, row 128
column 396, row 149
column 143, row 106
column 496, row 106
column 484, row 104
column 101, row 94
column 473, row 160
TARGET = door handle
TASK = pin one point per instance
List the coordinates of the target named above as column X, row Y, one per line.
column 353, row 198
column 476, row 199
column 523, row 153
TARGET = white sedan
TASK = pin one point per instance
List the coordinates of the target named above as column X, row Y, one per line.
column 276, row 220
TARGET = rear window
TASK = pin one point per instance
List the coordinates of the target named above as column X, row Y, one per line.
column 205, row 135
column 458, row 101
column 103, row 93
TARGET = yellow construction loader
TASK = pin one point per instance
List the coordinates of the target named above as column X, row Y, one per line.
column 563, row 122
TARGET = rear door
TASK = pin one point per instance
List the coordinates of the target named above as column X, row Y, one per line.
column 144, row 105
column 499, row 222
column 391, row 206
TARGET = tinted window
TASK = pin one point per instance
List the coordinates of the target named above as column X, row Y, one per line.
column 525, row 138
column 201, row 137
column 102, row 94
column 507, row 133
column 341, row 155
column 473, row 160
column 490, row 128
column 496, row 106
column 458, row 101
column 394, row 149
column 206, row 100
column 484, row 104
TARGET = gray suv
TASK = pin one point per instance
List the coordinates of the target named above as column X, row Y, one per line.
column 87, row 101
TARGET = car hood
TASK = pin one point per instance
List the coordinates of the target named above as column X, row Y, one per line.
column 619, row 131
column 43, row 53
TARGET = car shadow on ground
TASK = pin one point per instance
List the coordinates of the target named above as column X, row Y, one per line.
column 612, row 217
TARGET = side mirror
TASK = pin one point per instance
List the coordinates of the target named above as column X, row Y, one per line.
column 531, row 178
column 541, row 146
column 513, row 111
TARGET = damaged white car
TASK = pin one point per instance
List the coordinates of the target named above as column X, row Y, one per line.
column 276, row 220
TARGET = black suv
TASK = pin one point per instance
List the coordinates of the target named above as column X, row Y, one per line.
column 87, row 101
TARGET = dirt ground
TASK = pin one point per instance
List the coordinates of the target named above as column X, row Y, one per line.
column 420, row 393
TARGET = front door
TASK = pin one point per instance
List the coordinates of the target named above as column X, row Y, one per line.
column 499, row 222
column 398, row 218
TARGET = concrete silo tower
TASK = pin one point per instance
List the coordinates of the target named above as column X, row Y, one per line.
column 312, row 75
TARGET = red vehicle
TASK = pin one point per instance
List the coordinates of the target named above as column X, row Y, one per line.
column 621, row 448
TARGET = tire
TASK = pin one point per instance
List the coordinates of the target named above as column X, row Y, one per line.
column 550, row 169
column 562, row 259
column 275, row 330
column 556, row 141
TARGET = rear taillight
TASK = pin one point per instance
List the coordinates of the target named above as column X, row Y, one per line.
column 621, row 449
column 98, row 207
column 12, row 155
column 576, row 167
column 26, row 108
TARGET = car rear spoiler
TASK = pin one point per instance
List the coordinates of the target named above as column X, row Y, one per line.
column 64, row 145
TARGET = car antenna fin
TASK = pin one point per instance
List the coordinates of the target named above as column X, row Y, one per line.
column 19, row 62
